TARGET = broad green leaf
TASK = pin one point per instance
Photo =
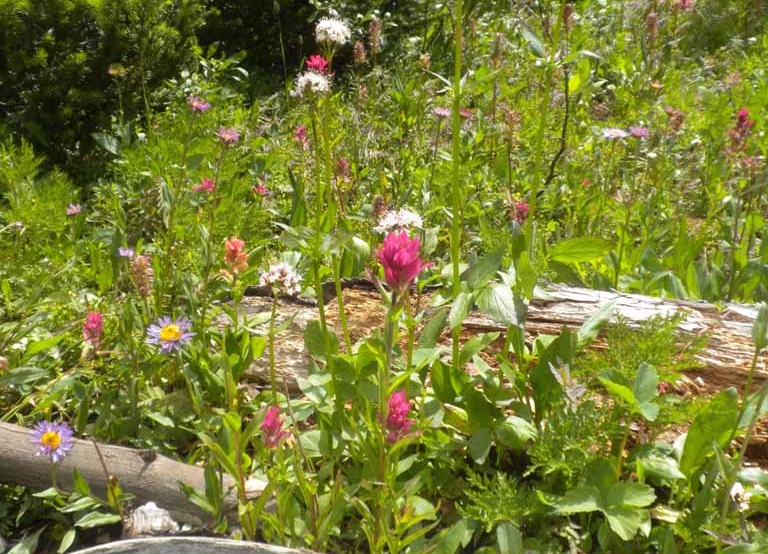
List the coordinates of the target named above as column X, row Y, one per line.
column 80, row 484
column 636, row 495
column 584, row 498
column 430, row 334
column 515, row 432
column 625, row 522
column 760, row 328
column 476, row 344
column 420, row 507
column 480, row 445
column 459, row 309
column 24, row 375
column 97, row 519
column 316, row 342
column 486, row 267
column 508, row 538
column 714, row 424
column 591, row 327
column 663, row 468
column 580, row 249
column 107, row 142
column 310, row 442
column 499, row 303
column 42, row 345
column 81, row 504
column 28, row 545
column 67, row 540
column 480, row 410
column 162, row 419
column 533, row 40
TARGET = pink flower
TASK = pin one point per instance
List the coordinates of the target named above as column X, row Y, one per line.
column 399, row 256
column 228, row 135
column 93, row 327
column 398, row 423
column 343, row 168
column 639, row 132
column 260, row 189
column 442, row 112
column 272, row 428
column 300, row 135
column 519, row 212
column 197, row 104
column 207, row 185
column 235, row 255
column 74, row 209
column 317, row 63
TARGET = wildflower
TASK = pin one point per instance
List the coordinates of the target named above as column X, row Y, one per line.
column 301, row 136
column 317, row 63
column 425, row 60
column 309, row 83
column 125, row 252
column 235, row 255
column 399, row 256
column 639, row 132
column 197, row 104
column 358, row 53
column 260, row 189
column 272, row 427
column 396, row 221
column 207, row 186
column 374, row 34
column 614, row 133
column 740, row 496
column 740, row 131
column 74, row 209
column 684, row 5
column 519, row 212
column 466, row 113
column 343, row 169
column 675, row 118
column 228, row 135
column 93, row 327
column 442, row 113
column 332, row 31
column 585, row 182
column 55, row 440
column 283, row 278
column 143, row 274
column 170, row 334
column 115, row 70
column 398, row 423
column 652, row 26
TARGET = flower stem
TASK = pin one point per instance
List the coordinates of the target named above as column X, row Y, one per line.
column 456, row 214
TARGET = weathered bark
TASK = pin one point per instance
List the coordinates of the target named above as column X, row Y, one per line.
column 149, row 478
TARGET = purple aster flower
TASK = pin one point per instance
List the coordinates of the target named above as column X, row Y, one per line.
column 228, row 135
column 197, row 104
column 54, row 439
column 170, row 334
column 125, row 252
column 442, row 112
column 639, row 132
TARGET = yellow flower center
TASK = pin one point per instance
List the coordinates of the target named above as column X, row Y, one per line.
column 170, row 333
column 51, row 440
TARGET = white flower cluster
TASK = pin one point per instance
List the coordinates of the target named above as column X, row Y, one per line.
column 281, row 276
column 401, row 220
column 311, row 82
column 332, row 31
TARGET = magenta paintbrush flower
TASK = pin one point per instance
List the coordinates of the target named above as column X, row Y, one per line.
column 399, row 256
column 93, row 327
column 272, row 427
column 398, row 423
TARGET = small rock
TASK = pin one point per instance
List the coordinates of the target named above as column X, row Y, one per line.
column 151, row 520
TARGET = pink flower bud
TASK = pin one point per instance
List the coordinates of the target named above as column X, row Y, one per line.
column 399, row 256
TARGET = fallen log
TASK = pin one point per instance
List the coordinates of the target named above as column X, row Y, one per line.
column 190, row 545
column 724, row 361
column 150, row 478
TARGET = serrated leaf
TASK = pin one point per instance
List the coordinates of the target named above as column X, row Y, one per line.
column 580, row 249
column 585, row 498
column 486, row 267
column 637, row 495
column 625, row 522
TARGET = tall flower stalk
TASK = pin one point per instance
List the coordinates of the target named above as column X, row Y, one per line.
column 456, row 212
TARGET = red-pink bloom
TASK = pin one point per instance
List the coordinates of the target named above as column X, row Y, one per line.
column 343, row 168
column 93, row 328
column 585, row 182
column 300, row 135
column 399, row 256
column 317, row 63
column 207, row 185
column 235, row 255
column 228, row 135
column 519, row 212
column 260, row 189
column 740, row 132
column 272, row 428
column 398, row 423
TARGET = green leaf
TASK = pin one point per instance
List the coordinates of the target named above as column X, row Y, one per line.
column 42, row 345
column 107, row 142
column 580, row 249
column 24, row 375
column 480, row 273
column 459, row 309
column 480, row 445
column 79, row 482
column 508, row 538
column 663, row 468
column 475, row 345
column 625, row 522
column 67, row 540
column 430, row 334
column 714, row 424
column 28, row 545
column 97, row 519
column 584, row 498
column 499, row 303
column 637, row 495
column 591, row 327
column 533, row 40
column 315, row 342
column 310, row 441
column 81, row 504
column 515, row 432
column 760, row 328
column 162, row 419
